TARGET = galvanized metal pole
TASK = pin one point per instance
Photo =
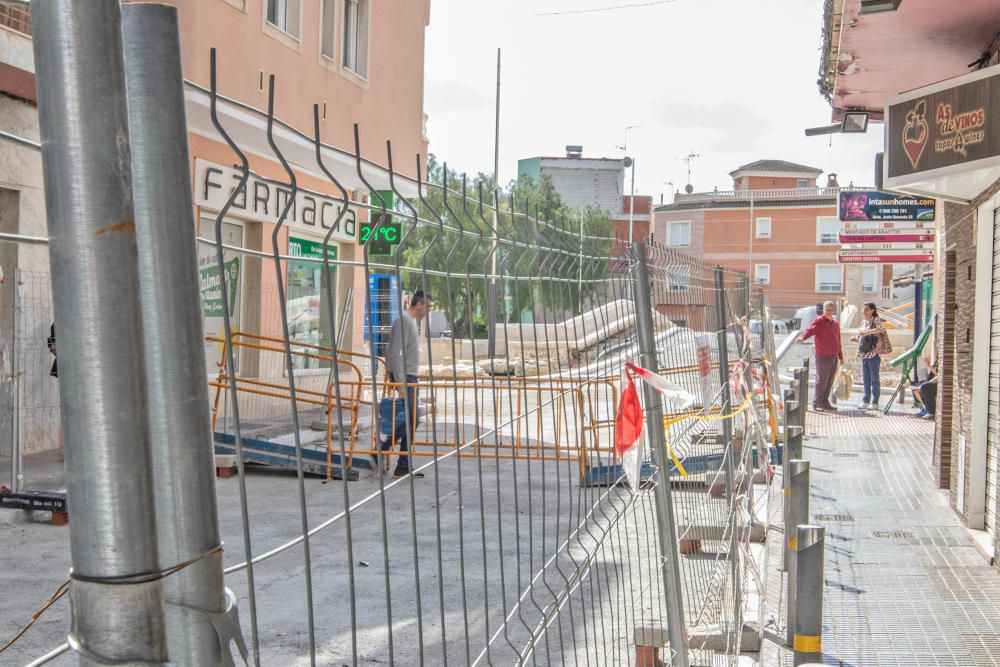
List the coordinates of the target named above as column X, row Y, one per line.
column 667, row 531
column 727, row 437
column 579, row 276
column 117, row 592
column 808, row 639
column 491, row 290
column 793, row 428
column 179, row 418
column 631, row 207
column 16, row 461
column 804, row 394
column 796, row 513
column 727, row 400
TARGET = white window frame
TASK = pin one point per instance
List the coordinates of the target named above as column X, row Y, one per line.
column 286, row 22
column 761, row 223
column 766, row 280
column 678, row 223
column 820, row 220
column 328, row 13
column 829, row 289
column 874, row 282
column 288, row 30
column 678, row 278
column 358, row 26
column 803, row 184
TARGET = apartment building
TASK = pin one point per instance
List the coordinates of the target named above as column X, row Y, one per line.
column 600, row 182
column 580, row 181
column 776, row 224
column 360, row 61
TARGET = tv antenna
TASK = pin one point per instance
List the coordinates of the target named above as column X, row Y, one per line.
column 689, row 158
column 624, row 148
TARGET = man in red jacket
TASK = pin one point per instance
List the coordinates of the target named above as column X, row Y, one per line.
column 826, row 331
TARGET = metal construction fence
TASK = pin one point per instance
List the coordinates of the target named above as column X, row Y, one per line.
column 29, row 394
column 518, row 534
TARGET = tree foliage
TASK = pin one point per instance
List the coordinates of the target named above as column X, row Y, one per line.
column 455, row 238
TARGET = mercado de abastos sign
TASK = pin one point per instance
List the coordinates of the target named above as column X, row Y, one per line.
column 263, row 200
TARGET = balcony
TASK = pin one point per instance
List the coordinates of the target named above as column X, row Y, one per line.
column 757, row 195
column 15, row 18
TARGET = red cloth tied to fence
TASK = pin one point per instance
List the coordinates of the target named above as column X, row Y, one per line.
column 628, row 421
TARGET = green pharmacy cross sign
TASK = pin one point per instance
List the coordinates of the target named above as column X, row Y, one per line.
column 388, row 234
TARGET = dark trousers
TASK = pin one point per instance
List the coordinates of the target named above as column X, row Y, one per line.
column 928, row 396
column 405, row 434
column 873, row 383
column 826, row 370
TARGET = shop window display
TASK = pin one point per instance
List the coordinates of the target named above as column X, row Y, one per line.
column 308, row 307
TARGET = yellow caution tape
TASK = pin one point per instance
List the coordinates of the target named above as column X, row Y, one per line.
column 668, row 422
column 807, row 643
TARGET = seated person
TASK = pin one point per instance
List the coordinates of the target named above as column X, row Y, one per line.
column 925, row 393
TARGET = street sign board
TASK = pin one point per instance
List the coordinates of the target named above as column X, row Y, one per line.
column 877, row 206
column 897, row 235
column 886, row 256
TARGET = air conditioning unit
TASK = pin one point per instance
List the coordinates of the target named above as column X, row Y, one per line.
column 878, row 6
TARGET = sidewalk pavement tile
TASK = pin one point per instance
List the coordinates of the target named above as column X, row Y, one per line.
column 905, row 583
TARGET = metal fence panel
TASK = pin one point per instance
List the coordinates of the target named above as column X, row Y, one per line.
column 529, row 539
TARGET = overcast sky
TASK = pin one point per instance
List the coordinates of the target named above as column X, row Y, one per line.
column 733, row 80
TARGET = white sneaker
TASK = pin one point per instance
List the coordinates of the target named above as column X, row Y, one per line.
column 863, row 406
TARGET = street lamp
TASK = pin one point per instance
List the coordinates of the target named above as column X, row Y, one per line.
column 853, row 122
column 629, row 162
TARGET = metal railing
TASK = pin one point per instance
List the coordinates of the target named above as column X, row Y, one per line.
column 758, row 195
column 15, row 17
column 535, row 537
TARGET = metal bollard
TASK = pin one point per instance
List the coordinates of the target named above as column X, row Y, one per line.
column 802, row 396
column 796, row 513
column 807, row 642
column 795, row 505
column 793, row 429
column 788, row 416
column 804, row 393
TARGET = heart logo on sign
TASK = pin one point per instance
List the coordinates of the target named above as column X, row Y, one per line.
column 915, row 133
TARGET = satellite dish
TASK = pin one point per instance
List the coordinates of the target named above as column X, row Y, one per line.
column 628, row 162
column 689, row 188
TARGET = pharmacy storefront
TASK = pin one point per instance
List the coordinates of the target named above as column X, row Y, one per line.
column 251, row 279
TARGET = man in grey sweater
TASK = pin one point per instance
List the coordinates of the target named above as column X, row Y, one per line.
column 402, row 358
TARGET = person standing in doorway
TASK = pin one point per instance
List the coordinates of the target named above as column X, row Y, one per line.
column 51, row 342
column 826, row 331
column 402, row 359
column 873, row 342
